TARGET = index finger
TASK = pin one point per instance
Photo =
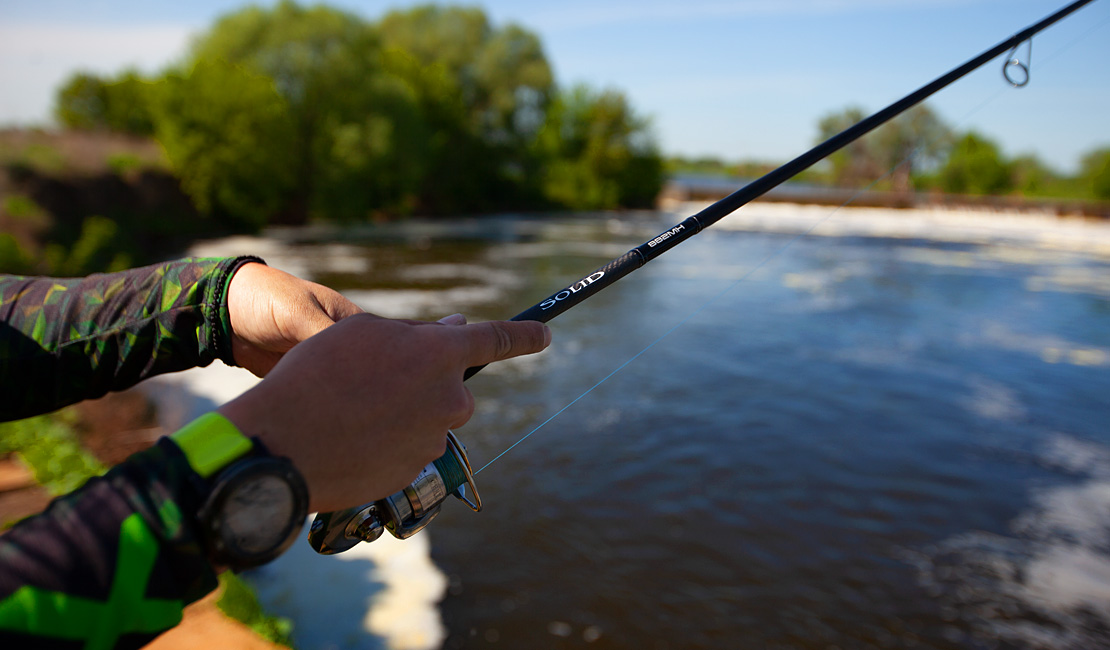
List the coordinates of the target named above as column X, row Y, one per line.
column 499, row 340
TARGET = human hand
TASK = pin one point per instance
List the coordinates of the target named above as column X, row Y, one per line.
column 364, row 405
column 271, row 311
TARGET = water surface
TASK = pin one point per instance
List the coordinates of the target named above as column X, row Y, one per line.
column 864, row 443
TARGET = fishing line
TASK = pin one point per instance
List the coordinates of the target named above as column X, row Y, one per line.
column 1067, row 46
column 689, row 316
column 705, row 305
column 1018, row 39
column 744, row 276
column 1045, row 62
column 408, row 511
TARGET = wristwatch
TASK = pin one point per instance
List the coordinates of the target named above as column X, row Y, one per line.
column 254, row 503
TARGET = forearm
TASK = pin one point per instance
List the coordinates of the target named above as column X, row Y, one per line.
column 65, row 340
column 115, row 561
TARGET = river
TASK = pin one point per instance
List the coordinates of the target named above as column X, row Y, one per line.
column 859, row 430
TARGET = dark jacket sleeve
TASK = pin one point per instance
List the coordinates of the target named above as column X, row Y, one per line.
column 113, row 563
column 65, row 340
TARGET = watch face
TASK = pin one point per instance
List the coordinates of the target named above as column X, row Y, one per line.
column 255, row 510
column 257, row 514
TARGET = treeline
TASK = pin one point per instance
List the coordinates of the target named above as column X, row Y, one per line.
column 917, row 151
column 292, row 113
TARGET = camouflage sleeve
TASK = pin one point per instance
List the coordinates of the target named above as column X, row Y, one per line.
column 65, row 340
column 111, row 565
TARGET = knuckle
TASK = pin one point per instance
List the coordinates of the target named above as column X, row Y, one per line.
column 459, row 408
column 432, row 341
column 503, row 340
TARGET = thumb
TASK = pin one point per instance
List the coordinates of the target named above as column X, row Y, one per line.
column 499, row 340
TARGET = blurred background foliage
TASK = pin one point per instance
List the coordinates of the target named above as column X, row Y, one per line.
column 598, row 152
column 918, row 152
column 292, row 113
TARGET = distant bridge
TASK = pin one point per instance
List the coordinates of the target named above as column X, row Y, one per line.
column 683, row 188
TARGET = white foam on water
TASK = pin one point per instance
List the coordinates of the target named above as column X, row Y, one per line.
column 969, row 225
column 1071, row 578
column 416, row 303
column 276, row 253
column 1072, row 280
column 1046, row 585
column 1050, row 349
column 381, row 595
column 993, row 400
column 477, row 272
column 558, row 249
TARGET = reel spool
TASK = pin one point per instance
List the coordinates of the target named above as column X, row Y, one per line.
column 404, row 513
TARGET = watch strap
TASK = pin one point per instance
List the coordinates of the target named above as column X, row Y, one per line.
column 210, row 443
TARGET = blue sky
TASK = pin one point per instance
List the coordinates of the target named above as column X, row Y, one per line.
column 736, row 79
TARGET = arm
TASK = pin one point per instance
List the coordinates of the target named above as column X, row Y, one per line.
column 121, row 555
column 65, row 340
column 113, row 563
column 359, row 408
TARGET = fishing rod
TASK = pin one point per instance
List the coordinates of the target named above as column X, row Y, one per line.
column 407, row 512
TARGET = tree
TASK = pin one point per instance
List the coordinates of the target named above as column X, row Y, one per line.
column 1094, row 169
column 227, row 133
column 81, row 102
column 88, row 102
column 502, row 74
column 914, row 139
column 356, row 130
column 128, row 105
column 598, row 153
column 853, row 165
column 314, row 112
column 461, row 171
column 1031, row 177
column 975, row 166
column 917, row 138
column 484, row 91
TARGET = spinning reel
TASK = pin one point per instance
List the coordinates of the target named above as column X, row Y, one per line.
column 404, row 513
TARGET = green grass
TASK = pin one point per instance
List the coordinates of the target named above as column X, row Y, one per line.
column 49, row 446
column 239, row 602
column 23, row 208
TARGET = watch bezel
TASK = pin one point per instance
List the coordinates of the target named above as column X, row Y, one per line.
column 224, row 551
